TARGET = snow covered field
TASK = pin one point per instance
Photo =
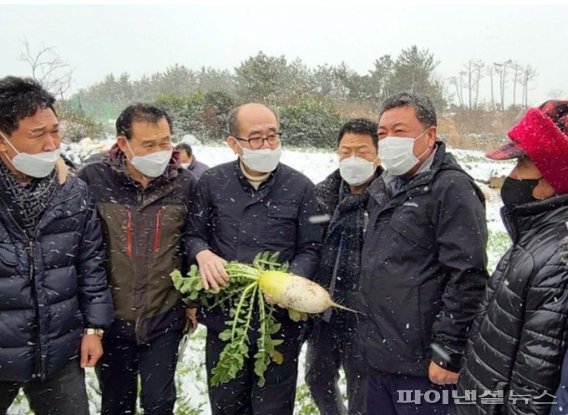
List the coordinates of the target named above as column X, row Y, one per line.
column 191, row 379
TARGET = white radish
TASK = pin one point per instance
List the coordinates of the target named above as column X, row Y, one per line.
column 296, row 293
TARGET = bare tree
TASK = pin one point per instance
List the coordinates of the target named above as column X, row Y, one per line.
column 517, row 70
column 478, row 67
column 457, row 84
column 502, row 73
column 48, row 68
column 469, row 77
column 529, row 73
column 491, row 71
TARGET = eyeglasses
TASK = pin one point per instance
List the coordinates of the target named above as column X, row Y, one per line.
column 257, row 142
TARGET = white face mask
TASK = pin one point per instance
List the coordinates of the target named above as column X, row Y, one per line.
column 38, row 165
column 185, row 165
column 152, row 165
column 262, row 161
column 397, row 154
column 356, row 170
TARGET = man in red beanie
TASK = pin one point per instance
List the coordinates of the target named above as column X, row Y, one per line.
column 514, row 355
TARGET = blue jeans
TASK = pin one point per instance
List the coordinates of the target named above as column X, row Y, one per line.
column 64, row 393
column 389, row 394
column 155, row 362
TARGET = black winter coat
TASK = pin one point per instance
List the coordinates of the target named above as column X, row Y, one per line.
column 519, row 339
column 52, row 285
column 340, row 259
column 423, row 268
column 236, row 222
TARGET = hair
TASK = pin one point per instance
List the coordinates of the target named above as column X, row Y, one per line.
column 362, row 126
column 425, row 111
column 21, row 98
column 233, row 128
column 139, row 112
column 186, row 147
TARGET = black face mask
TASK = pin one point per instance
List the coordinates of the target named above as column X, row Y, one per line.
column 518, row 192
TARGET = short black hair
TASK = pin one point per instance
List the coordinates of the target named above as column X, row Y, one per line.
column 21, row 98
column 362, row 126
column 140, row 112
column 186, row 147
column 233, row 120
column 425, row 110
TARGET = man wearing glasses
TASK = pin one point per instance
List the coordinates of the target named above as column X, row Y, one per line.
column 247, row 206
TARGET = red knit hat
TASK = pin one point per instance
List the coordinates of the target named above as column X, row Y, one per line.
column 542, row 135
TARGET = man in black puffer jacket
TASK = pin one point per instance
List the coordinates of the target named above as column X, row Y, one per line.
column 54, row 298
column 514, row 355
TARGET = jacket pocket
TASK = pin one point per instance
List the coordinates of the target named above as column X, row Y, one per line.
column 424, row 325
column 168, row 227
column 281, row 221
column 411, row 234
column 129, row 231
column 8, row 260
column 118, row 229
column 408, row 326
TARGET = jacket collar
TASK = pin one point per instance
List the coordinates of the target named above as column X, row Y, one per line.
column 442, row 161
column 421, row 183
column 328, row 191
column 116, row 159
column 267, row 184
column 525, row 217
column 62, row 170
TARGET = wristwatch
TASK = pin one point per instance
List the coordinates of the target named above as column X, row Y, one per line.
column 98, row 332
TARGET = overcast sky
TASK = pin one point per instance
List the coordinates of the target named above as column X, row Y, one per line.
column 142, row 39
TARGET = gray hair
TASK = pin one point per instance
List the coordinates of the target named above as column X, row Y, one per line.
column 425, row 111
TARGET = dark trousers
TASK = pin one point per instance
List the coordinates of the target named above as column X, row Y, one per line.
column 328, row 350
column 242, row 395
column 120, row 366
column 389, row 394
column 64, row 393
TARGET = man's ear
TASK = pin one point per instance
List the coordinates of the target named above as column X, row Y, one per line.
column 232, row 142
column 3, row 145
column 432, row 135
column 121, row 142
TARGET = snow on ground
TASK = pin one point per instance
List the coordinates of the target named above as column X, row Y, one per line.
column 316, row 164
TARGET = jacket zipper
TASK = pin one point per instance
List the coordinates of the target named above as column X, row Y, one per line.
column 39, row 366
column 38, row 361
column 157, row 231
column 129, row 232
